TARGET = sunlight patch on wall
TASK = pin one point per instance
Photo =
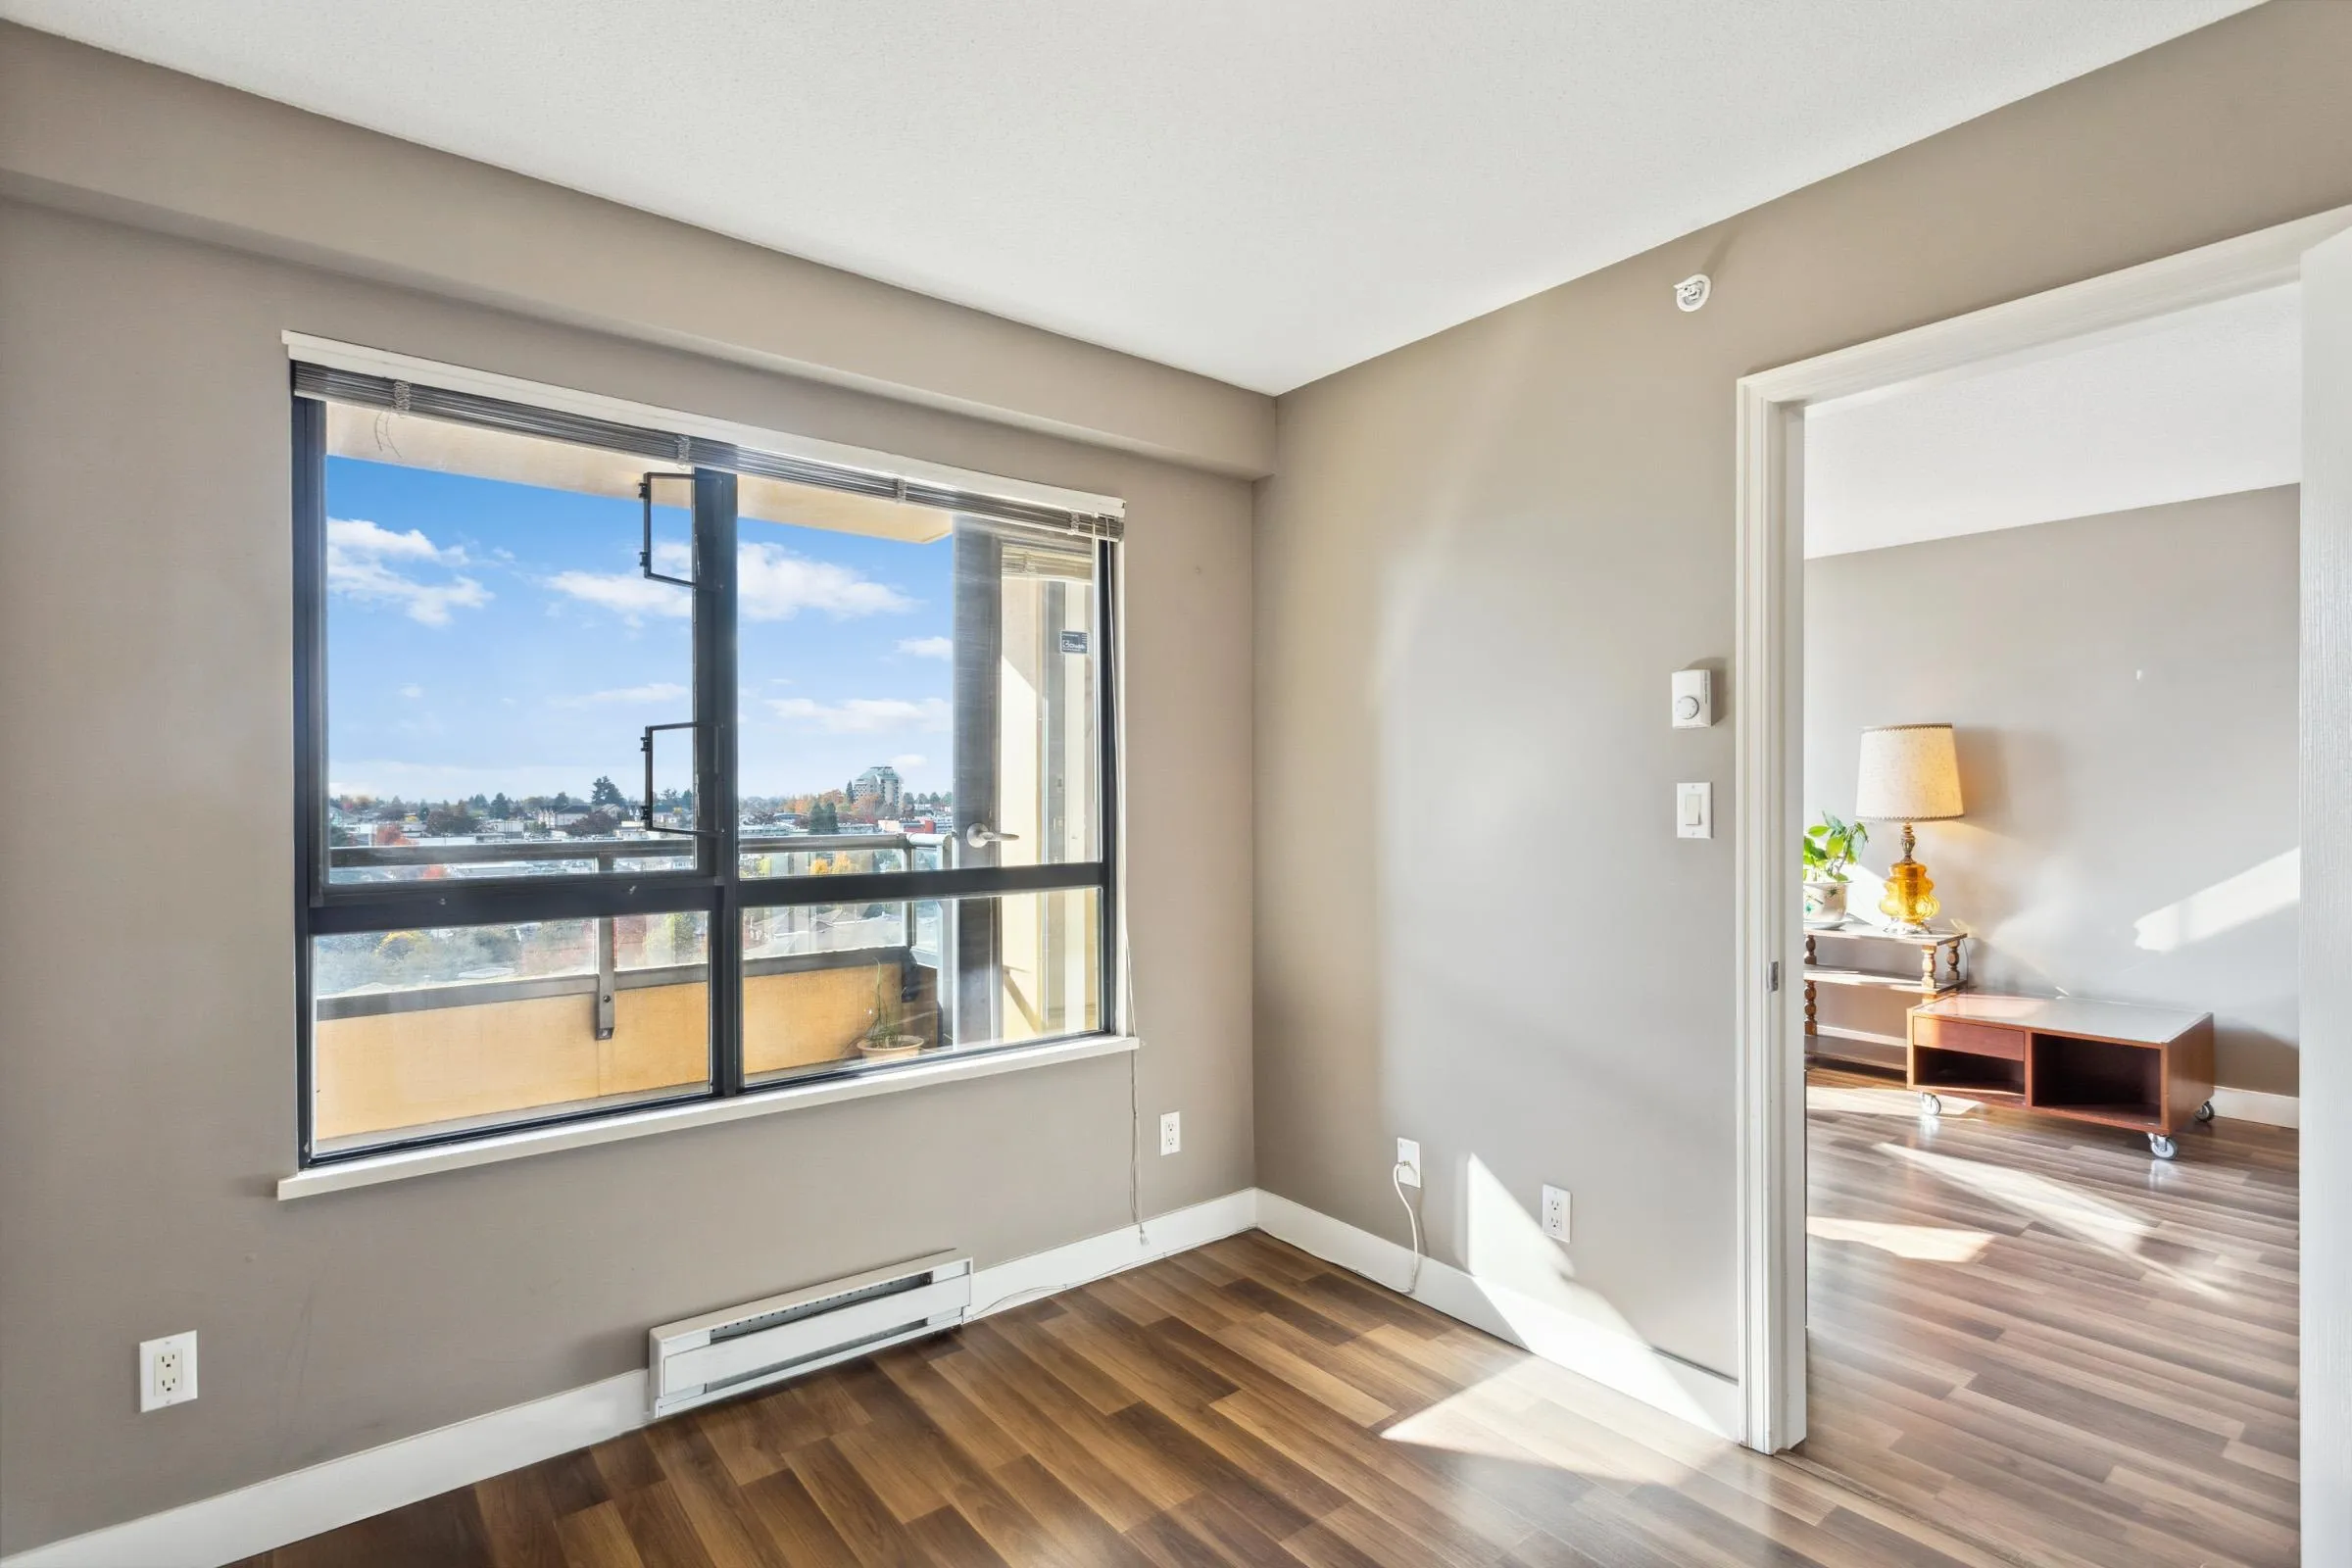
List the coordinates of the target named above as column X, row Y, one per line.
column 2266, row 889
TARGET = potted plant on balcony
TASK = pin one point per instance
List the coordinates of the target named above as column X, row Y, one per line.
column 885, row 1039
column 1829, row 847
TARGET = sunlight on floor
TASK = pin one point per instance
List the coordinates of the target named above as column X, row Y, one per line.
column 1536, row 1414
column 2055, row 1204
column 1890, row 1101
column 1925, row 1244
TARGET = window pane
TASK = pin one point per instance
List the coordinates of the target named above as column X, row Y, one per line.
column 461, row 1027
column 1048, row 744
column 494, row 652
column 828, row 986
column 907, row 677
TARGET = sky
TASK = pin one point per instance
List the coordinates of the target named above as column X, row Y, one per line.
column 484, row 636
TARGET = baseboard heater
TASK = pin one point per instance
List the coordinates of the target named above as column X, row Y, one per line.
column 725, row 1353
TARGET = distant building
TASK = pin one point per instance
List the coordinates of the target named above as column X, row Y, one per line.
column 878, row 786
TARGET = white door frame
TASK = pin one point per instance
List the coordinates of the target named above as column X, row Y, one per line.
column 1768, row 723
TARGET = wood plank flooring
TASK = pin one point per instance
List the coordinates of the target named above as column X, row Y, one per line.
column 1242, row 1404
column 2036, row 1333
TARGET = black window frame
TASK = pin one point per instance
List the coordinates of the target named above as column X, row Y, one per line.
column 714, row 885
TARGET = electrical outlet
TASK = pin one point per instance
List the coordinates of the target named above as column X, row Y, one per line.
column 167, row 1371
column 1408, row 1154
column 1171, row 1132
column 1555, row 1214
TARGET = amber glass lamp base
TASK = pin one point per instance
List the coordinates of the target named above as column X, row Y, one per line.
column 1910, row 901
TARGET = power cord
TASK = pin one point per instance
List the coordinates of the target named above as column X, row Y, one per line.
column 1412, row 1217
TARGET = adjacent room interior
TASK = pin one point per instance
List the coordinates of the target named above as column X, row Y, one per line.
column 803, row 784
column 2051, row 622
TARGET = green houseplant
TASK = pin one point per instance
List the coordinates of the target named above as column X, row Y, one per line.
column 1829, row 847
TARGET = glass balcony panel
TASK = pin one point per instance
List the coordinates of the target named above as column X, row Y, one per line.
column 429, row 1032
column 834, row 988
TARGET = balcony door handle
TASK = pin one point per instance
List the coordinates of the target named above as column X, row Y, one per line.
column 980, row 836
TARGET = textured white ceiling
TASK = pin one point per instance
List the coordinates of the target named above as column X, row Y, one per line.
column 1262, row 191
column 2207, row 402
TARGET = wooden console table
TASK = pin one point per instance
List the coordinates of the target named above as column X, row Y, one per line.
column 1875, row 974
column 2149, row 1069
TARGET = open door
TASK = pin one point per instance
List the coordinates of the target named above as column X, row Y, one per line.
column 2326, row 931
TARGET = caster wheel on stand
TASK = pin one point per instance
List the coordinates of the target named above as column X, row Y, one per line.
column 1930, row 1105
column 2205, row 1112
column 2161, row 1147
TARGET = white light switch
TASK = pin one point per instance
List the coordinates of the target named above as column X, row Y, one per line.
column 1695, row 810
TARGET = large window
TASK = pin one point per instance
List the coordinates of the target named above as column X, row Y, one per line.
column 638, row 766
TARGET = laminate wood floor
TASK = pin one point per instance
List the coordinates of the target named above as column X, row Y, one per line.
column 1241, row 1404
column 2035, row 1332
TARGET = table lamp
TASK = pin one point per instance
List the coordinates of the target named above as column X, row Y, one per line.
column 1910, row 773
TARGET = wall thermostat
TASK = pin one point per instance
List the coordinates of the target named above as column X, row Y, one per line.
column 1693, row 291
column 1693, row 699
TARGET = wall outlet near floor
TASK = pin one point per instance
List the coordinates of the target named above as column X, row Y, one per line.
column 167, row 1371
column 1555, row 1214
column 1408, row 1154
column 1171, row 1132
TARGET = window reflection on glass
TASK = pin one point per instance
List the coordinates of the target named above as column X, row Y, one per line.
column 834, row 986
column 455, row 1028
column 494, row 652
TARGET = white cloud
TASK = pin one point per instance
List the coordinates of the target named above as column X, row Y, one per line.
column 774, row 584
column 659, row 691
column 625, row 593
column 864, row 715
column 928, row 647
column 412, row 692
column 356, row 555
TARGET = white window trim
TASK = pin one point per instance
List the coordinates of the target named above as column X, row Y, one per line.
column 621, row 410
column 494, row 1148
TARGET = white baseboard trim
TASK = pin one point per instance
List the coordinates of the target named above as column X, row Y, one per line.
column 1617, row 1361
column 304, row 1502
column 323, row 1497
column 2251, row 1105
column 1059, row 1268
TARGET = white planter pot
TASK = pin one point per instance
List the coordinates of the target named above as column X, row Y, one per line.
column 1825, row 903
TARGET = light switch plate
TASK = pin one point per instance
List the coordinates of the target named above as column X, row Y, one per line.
column 1409, row 1155
column 1695, row 810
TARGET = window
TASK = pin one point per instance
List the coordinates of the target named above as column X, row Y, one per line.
column 637, row 766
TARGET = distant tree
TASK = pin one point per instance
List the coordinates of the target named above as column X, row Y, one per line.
column 824, row 818
column 500, row 806
column 604, row 792
column 392, row 811
column 600, row 824
column 452, row 819
column 479, row 803
column 563, row 802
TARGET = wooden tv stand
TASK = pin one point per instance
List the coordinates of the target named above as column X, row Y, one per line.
column 2149, row 1069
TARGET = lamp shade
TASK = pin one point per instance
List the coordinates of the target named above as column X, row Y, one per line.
column 1910, row 773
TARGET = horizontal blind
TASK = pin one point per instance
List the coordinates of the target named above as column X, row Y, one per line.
column 330, row 385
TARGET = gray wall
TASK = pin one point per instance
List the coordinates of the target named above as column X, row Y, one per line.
column 2123, row 689
column 1477, row 562
column 147, row 1066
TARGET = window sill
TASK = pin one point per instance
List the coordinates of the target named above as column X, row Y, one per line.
column 369, row 1171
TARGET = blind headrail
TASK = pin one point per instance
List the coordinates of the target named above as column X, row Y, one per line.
column 363, row 389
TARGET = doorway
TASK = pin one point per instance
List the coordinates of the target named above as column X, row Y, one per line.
column 1770, row 783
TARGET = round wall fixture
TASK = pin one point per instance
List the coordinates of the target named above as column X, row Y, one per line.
column 1692, row 293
